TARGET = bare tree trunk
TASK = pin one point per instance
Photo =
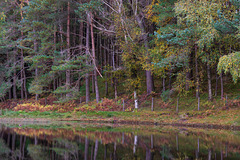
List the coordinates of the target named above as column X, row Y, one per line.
column 23, row 78
column 94, row 60
column 114, row 69
column 87, row 62
column 221, row 76
column 36, row 69
column 68, row 72
column 14, row 76
column 9, row 80
column 148, row 72
column 163, row 83
column 209, row 80
column 221, row 79
column 188, row 75
column 197, row 74
column 135, row 100
column 105, row 63
column 170, row 79
column 216, row 86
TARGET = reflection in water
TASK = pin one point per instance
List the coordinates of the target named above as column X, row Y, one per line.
column 94, row 144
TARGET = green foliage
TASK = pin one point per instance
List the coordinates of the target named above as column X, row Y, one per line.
column 230, row 63
column 166, row 95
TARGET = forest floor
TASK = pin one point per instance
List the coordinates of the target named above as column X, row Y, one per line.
column 212, row 114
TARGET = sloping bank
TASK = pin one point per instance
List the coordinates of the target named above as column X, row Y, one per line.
column 215, row 119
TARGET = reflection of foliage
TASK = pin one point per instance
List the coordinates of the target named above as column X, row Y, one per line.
column 37, row 152
column 4, row 150
column 166, row 153
column 68, row 147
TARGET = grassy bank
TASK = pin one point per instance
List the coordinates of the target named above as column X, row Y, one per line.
column 216, row 112
column 219, row 118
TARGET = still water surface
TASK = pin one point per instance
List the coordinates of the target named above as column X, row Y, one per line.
column 76, row 141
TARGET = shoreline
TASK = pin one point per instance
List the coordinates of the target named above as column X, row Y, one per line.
column 44, row 121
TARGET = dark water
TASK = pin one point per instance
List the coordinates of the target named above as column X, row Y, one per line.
column 97, row 142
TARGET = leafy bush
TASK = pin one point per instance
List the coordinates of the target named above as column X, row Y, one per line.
column 166, row 95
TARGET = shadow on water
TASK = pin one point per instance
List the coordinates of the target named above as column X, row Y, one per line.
column 98, row 142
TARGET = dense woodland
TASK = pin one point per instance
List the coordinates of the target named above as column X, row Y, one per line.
column 68, row 48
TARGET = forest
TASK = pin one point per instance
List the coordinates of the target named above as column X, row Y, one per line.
column 92, row 50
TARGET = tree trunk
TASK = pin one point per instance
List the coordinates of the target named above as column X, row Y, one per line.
column 221, row 79
column 188, row 77
column 209, row 80
column 197, row 74
column 87, row 63
column 68, row 72
column 94, row 60
column 105, row 63
column 135, row 100
column 163, row 83
column 22, row 79
column 148, row 72
column 9, row 80
column 114, row 69
column 14, row 76
column 170, row 79
column 36, row 69
column 93, row 82
column 216, row 86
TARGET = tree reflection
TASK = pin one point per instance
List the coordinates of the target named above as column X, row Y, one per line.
column 62, row 144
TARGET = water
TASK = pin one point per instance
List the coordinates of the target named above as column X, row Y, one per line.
column 74, row 141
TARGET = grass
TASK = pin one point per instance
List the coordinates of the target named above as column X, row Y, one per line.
column 218, row 117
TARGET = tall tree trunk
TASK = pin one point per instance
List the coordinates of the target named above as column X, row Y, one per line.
column 14, row 76
column 221, row 76
column 87, row 63
column 9, row 80
column 135, row 99
column 164, row 84
column 93, row 82
column 148, row 72
column 36, row 69
column 221, row 79
column 216, row 86
column 105, row 63
column 197, row 74
column 188, row 76
column 23, row 75
column 22, row 79
column 209, row 80
column 170, row 79
column 114, row 69
column 68, row 72
column 94, row 60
